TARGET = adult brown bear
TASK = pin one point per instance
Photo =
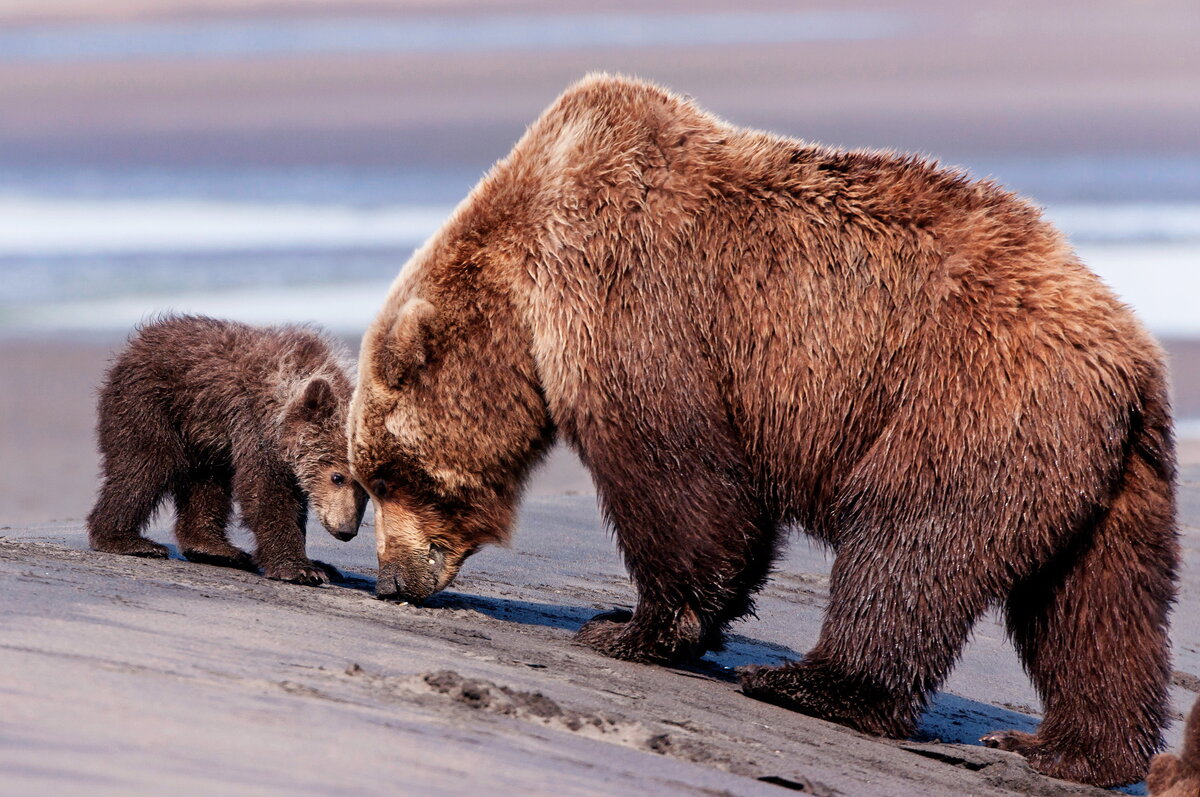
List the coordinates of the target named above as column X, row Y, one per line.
column 739, row 332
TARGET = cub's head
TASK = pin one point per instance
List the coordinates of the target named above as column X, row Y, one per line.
column 314, row 442
column 445, row 423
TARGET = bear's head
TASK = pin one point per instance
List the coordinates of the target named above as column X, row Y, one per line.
column 447, row 419
column 313, row 436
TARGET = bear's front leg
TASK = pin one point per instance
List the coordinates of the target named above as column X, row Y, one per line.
column 659, row 640
column 275, row 510
column 697, row 547
column 899, row 613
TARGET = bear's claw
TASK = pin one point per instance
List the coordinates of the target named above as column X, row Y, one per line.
column 307, row 573
column 137, row 546
column 1067, row 762
column 1010, row 741
column 617, row 634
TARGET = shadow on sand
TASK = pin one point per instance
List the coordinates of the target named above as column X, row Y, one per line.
column 950, row 718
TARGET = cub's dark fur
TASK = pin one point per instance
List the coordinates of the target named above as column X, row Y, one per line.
column 209, row 411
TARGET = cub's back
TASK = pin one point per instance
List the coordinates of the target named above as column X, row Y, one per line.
column 210, row 378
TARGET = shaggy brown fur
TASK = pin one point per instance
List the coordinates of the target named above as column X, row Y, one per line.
column 209, row 411
column 1179, row 776
column 740, row 332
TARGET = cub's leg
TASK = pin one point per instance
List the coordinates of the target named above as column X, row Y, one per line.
column 696, row 545
column 142, row 460
column 1091, row 629
column 275, row 510
column 901, row 606
column 203, row 503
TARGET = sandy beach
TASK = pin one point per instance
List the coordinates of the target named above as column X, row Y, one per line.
column 153, row 676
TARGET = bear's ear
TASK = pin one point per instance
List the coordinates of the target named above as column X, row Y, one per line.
column 315, row 403
column 405, row 348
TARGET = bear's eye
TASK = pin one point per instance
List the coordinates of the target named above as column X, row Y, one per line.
column 380, row 488
column 338, row 479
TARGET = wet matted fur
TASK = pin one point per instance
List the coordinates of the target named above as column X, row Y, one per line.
column 740, row 332
column 207, row 411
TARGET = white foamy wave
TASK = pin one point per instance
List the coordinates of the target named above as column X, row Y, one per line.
column 34, row 226
column 31, row 227
column 1161, row 282
column 1129, row 222
column 1149, row 254
column 341, row 308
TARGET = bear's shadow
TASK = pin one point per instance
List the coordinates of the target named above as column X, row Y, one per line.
column 950, row 718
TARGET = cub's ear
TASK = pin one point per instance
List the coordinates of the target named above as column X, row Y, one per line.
column 405, row 348
column 315, row 403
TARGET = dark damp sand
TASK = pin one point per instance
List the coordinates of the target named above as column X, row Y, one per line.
column 964, row 81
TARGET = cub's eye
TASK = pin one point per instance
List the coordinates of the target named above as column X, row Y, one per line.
column 338, row 479
column 379, row 487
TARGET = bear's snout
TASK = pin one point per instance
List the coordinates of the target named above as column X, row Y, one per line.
column 409, row 581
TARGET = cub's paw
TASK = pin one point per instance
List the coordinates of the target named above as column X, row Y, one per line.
column 225, row 557
column 133, row 546
column 303, row 572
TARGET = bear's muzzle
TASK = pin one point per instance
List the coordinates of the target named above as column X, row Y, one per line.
column 411, row 579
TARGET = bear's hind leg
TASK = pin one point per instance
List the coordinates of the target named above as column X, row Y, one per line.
column 203, row 503
column 138, row 472
column 1091, row 628
column 125, row 505
column 899, row 614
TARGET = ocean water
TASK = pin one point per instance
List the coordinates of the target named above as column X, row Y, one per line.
column 449, row 34
column 97, row 253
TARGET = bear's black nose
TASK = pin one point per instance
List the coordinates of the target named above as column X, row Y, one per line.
column 389, row 585
column 398, row 584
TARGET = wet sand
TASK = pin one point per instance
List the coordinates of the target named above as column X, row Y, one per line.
column 967, row 82
column 159, row 676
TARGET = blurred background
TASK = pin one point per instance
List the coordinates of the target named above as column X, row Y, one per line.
column 279, row 161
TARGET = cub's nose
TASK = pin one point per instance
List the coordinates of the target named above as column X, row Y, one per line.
column 345, row 535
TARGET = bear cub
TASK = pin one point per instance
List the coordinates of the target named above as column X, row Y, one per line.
column 210, row 412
